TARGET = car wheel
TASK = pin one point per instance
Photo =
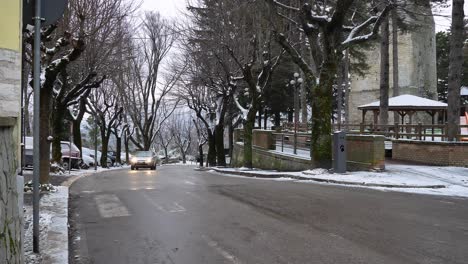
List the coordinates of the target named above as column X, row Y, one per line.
column 65, row 165
column 132, row 168
column 136, row 168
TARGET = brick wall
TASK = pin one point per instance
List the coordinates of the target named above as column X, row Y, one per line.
column 364, row 152
column 433, row 153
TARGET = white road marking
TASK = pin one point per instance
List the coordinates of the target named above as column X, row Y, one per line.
column 190, row 183
column 228, row 256
column 155, row 204
column 109, row 205
column 171, row 208
column 177, row 208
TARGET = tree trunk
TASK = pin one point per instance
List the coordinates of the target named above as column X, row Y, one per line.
column 455, row 70
column 24, row 83
column 322, row 107
column 265, row 119
column 219, row 138
column 277, row 119
column 200, row 152
column 231, row 138
column 396, row 77
column 104, row 145
column 384, row 72
column 259, row 120
column 339, row 94
column 127, row 151
column 184, row 158
column 248, row 130
column 346, row 87
column 58, row 127
column 211, row 159
column 77, row 125
column 118, row 150
column 44, row 150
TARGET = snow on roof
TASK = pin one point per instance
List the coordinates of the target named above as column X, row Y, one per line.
column 408, row 101
column 464, row 91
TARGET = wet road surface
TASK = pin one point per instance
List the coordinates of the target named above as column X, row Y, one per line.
column 179, row 215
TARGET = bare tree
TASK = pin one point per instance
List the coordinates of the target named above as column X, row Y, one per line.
column 143, row 90
column 165, row 139
column 455, row 69
column 104, row 105
column 182, row 130
column 331, row 27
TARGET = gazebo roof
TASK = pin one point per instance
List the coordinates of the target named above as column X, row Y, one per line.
column 407, row 102
column 464, row 91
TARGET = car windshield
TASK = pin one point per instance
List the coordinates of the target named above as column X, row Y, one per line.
column 143, row 154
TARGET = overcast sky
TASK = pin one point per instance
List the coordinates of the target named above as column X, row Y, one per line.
column 171, row 8
column 165, row 7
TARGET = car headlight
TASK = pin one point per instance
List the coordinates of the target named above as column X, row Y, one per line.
column 134, row 160
column 149, row 160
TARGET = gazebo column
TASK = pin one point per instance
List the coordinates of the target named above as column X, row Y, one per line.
column 376, row 117
column 409, row 129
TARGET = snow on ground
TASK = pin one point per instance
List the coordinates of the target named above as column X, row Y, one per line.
column 53, row 223
column 448, row 181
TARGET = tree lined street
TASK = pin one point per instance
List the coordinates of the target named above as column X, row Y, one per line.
column 178, row 215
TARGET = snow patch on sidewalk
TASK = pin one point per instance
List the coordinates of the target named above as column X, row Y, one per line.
column 447, row 181
column 53, row 224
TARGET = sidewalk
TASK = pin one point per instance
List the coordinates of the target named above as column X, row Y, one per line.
column 53, row 220
column 449, row 181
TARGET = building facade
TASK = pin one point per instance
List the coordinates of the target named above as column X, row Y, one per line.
column 416, row 64
column 10, row 116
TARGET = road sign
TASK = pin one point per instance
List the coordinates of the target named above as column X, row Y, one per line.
column 51, row 11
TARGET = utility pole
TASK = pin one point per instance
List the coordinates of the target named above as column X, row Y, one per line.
column 36, row 141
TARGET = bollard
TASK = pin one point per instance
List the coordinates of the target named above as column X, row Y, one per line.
column 339, row 152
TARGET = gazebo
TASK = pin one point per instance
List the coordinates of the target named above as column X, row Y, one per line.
column 406, row 105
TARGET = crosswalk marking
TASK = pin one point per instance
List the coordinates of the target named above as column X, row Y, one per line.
column 109, row 205
column 173, row 207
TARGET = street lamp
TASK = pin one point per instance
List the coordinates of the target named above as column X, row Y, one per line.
column 296, row 83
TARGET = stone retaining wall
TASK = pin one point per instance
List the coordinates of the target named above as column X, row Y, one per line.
column 433, row 153
column 10, row 217
column 364, row 152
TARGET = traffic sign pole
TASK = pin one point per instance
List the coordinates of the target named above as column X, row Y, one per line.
column 36, row 140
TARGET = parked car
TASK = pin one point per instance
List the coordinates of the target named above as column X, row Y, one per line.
column 70, row 155
column 112, row 156
column 88, row 156
column 67, row 154
column 143, row 159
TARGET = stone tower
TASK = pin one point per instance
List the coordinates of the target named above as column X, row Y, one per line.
column 417, row 65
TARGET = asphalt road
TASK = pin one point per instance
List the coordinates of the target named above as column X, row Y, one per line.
column 178, row 215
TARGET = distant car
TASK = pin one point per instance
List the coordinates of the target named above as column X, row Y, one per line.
column 113, row 156
column 71, row 154
column 143, row 159
column 88, row 156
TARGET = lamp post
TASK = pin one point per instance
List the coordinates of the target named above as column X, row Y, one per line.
column 295, row 83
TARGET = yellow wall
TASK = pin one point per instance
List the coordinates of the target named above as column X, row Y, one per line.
column 10, row 24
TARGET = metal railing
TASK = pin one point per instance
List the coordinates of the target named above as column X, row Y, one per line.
column 436, row 132
column 293, row 143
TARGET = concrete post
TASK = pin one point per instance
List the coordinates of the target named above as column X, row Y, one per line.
column 339, row 151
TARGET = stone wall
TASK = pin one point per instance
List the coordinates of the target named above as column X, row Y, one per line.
column 10, row 219
column 417, row 67
column 433, row 153
column 10, row 107
column 268, row 160
column 364, row 152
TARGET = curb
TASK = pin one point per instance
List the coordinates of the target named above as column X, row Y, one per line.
column 273, row 176
column 68, row 183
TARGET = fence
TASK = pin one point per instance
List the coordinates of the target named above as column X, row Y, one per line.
column 419, row 131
